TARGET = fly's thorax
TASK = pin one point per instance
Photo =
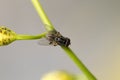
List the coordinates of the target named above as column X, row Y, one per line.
column 51, row 37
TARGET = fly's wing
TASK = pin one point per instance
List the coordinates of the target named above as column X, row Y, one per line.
column 43, row 42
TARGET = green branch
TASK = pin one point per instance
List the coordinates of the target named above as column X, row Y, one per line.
column 7, row 36
column 30, row 37
column 79, row 63
column 70, row 53
column 47, row 23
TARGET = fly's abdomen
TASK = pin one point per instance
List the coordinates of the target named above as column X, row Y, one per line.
column 6, row 36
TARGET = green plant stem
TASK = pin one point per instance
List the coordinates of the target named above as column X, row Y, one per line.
column 30, row 37
column 47, row 23
column 72, row 55
column 79, row 63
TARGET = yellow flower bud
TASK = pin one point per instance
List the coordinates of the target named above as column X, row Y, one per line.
column 6, row 36
column 58, row 75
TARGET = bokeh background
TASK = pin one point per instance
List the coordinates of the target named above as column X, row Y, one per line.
column 92, row 25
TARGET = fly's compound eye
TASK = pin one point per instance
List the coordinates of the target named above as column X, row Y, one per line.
column 6, row 36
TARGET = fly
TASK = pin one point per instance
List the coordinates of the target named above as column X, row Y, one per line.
column 55, row 38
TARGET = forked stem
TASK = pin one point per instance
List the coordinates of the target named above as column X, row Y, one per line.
column 70, row 53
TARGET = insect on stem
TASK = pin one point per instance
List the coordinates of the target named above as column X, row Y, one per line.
column 55, row 38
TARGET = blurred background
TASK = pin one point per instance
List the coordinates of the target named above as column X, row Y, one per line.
column 92, row 25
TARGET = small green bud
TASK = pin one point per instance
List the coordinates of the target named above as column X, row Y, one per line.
column 6, row 36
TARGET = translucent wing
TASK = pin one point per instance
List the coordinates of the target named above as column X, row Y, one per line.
column 43, row 42
column 51, row 38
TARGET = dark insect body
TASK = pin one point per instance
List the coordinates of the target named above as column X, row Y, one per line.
column 55, row 38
